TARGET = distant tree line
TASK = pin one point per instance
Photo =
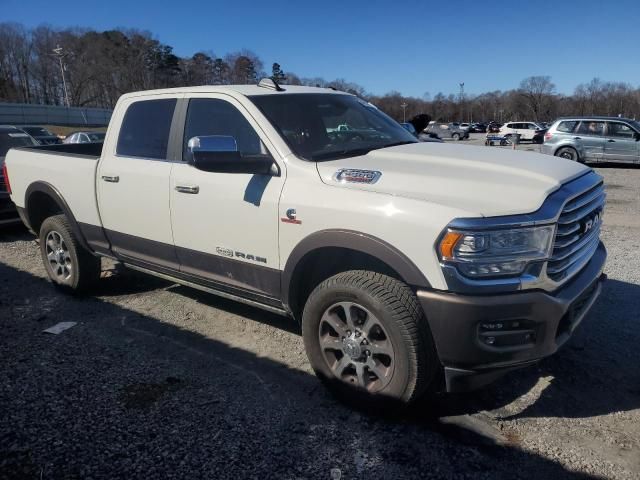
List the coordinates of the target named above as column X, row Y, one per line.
column 101, row 66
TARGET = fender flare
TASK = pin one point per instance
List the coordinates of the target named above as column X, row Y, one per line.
column 51, row 191
column 352, row 240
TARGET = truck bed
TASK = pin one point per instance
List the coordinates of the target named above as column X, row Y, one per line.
column 70, row 169
column 76, row 149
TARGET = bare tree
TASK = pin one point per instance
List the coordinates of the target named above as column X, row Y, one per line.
column 538, row 92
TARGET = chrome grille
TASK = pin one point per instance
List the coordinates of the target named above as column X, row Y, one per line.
column 578, row 233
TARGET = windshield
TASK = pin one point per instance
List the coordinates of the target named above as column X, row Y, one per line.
column 10, row 140
column 321, row 126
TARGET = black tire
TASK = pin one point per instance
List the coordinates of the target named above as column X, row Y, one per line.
column 568, row 153
column 69, row 266
column 456, row 136
column 397, row 358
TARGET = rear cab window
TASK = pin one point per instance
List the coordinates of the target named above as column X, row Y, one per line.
column 145, row 129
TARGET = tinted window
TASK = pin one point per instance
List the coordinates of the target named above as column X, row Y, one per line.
column 145, row 129
column 209, row 116
column 620, row 130
column 591, row 128
column 566, row 127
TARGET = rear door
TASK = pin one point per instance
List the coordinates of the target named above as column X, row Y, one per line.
column 590, row 140
column 133, row 183
column 621, row 144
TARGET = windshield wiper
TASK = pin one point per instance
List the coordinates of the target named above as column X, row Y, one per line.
column 334, row 155
column 405, row 142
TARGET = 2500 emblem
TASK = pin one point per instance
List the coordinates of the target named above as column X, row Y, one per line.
column 227, row 252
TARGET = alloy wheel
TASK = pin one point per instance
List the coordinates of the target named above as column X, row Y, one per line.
column 356, row 346
column 59, row 257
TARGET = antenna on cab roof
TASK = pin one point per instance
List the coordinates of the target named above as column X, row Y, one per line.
column 271, row 84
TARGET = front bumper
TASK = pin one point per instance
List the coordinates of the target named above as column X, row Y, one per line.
column 533, row 325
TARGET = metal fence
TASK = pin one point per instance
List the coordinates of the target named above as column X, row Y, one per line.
column 27, row 114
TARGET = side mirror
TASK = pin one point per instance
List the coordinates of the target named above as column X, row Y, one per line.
column 219, row 153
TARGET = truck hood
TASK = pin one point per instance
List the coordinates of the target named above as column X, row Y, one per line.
column 480, row 180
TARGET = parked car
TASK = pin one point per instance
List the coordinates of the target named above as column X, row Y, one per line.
column 41, row 134
column 85, row 137
column 594, row 139
column 422, row 136
column 538, row 136
column 464, row 126
column 429, row 137
column 478, row 128
column 493, row 127
column 526, row 130
column 411, row 267
column 10, row 137
column 446, row 130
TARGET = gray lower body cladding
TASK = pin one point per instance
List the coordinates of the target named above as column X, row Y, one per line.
column 478, row 338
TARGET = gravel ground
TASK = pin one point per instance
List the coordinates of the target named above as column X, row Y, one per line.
column 160, row 381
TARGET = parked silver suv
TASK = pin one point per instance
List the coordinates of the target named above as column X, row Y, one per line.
column 594, row 139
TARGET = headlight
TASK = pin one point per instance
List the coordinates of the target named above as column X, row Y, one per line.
column 496, row 253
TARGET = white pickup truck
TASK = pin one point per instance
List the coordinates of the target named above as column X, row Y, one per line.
column 411, row 266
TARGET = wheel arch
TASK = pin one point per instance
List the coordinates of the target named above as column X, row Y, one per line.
column 328, row 252
column 43, row 200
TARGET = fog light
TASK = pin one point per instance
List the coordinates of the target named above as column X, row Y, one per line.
column 490, row 340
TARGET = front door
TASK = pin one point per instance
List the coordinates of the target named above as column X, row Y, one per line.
column 589, row 138
column 621, row 143
column 225, row 225
column 133, row 184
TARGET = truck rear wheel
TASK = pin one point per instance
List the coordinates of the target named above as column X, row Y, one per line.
column 68, row 264
column 367, row 340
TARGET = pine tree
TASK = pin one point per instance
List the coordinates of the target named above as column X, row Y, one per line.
column 277, row 75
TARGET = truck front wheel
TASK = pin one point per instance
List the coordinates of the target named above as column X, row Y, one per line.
column 68, row 265
column 367, row 339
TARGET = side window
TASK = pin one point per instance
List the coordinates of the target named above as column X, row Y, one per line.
column 210, row 116
column 620, row 130
column 145, row 129
column 532, row 126
column 592, row 128
column 566, row 127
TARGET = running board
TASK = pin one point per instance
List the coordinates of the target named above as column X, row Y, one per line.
column 213, row 291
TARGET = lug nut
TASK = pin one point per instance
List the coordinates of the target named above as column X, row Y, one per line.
column 367, row 353
column 358, row 333
column 365, row 342
column 348, row 333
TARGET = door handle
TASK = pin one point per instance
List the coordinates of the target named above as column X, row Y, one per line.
column 111, row 179
column 193, row 189
column 577, row 138
column 611, row 141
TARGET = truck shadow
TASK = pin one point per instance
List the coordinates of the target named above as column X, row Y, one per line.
column 224, row 408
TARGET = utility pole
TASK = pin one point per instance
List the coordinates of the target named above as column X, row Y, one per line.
column 404, row 111
column 60, row 54
column 461, row 101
